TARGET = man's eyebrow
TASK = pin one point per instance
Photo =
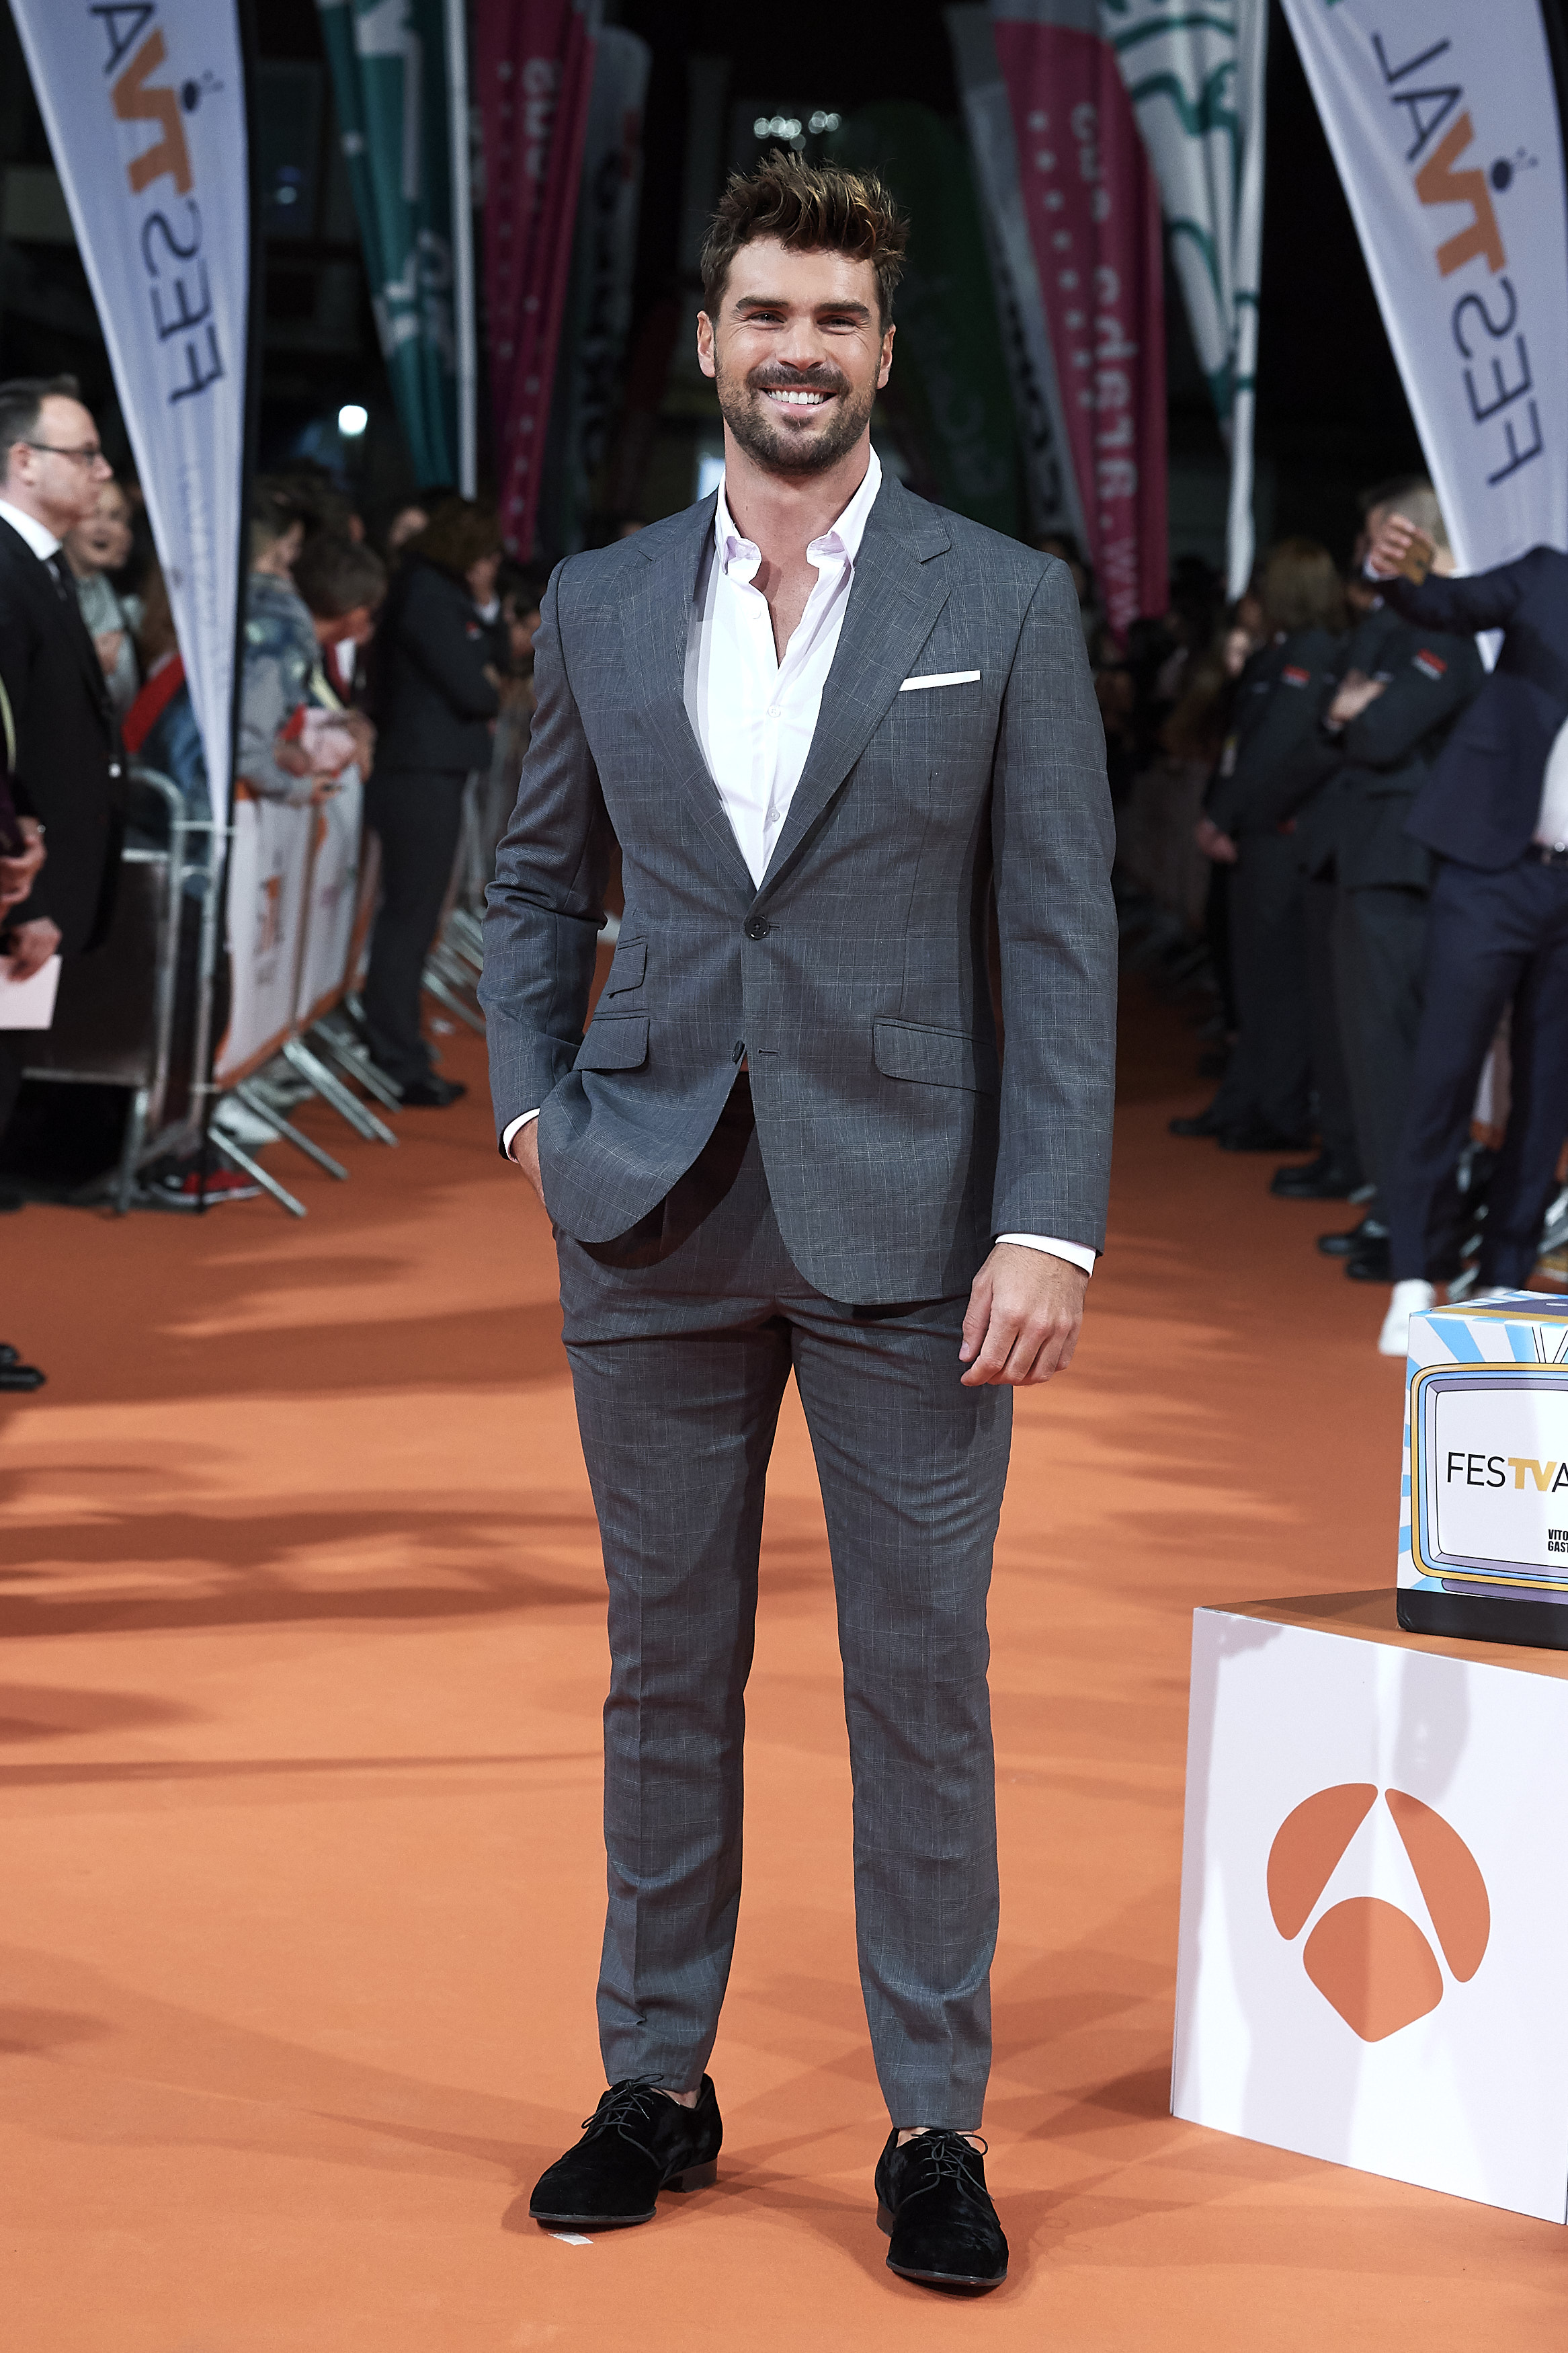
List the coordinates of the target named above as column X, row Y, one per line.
column 848, row 308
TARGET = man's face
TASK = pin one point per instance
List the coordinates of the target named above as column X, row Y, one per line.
column 797, row 353
column 57, row 474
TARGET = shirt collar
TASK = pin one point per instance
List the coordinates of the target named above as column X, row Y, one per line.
column 42, row 543
column 842, row 538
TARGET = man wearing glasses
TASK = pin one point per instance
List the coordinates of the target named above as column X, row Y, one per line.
column 67, row 782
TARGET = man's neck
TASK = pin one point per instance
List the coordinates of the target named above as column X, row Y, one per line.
column 13, row 495
column 782, row 513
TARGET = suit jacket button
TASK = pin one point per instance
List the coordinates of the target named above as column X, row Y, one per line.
column 757, row 927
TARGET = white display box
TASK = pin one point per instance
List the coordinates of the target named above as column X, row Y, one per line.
column 1374, row 1898
column 1483, row 1515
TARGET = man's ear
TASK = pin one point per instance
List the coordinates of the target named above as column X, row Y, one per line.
column 885, row 370
column 705, row 359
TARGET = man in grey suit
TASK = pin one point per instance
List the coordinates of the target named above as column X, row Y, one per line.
column 825, row 722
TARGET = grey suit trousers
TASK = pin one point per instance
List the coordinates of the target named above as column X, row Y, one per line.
column 683, row 1335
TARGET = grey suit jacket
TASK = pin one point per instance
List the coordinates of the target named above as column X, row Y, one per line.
column 855, row 979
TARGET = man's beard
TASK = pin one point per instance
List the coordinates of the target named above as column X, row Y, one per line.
column 744, row 409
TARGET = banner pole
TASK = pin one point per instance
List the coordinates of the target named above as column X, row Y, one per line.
column 462, row 246
column 214, row 907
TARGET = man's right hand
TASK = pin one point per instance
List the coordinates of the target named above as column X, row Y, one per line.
column 525, row 1152
column 32, row 945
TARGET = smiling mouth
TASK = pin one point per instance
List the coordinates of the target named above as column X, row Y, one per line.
column 787, row 397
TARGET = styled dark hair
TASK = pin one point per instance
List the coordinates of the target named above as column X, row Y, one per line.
column 810, row 208
column 1301, row 587
column 21, row 404
column 335, row 575
column 458, row 535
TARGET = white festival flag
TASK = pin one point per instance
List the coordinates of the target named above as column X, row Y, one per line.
column 1443, row 119
column 145, row 110
column 1194, row 74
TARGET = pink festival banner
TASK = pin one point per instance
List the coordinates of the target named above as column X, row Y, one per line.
column 1093, row 215
column 534, row 61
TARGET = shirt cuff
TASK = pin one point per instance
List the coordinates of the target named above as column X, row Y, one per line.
column 1077, row 1254
column 510, row 1129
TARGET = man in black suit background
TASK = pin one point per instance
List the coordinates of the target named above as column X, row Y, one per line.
column 1495, row 809
column 66, row 775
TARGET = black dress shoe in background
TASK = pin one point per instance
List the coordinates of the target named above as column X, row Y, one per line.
column 1322, row 1179
column 433, row 1093
column 1353, row 1240
column 1203, row 1123
column 932, row 2201
column 1374, row 1263
column 14, row 1375
column 637, row 2142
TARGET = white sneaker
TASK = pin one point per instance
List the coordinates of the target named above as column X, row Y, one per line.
column 1409, row 1299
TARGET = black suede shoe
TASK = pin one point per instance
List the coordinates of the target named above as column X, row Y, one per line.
column 637, row 2142
column 932, row 2201
column 1201, row 1122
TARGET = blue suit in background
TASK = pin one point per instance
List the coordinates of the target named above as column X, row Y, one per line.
column 1498, row 927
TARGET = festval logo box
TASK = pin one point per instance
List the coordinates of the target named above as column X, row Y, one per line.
column 1483, row 1522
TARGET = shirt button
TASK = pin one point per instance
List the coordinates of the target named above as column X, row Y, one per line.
column 757, row 927
column 773, row 711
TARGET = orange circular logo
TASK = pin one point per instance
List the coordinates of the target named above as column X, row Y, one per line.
column 1366, row 1956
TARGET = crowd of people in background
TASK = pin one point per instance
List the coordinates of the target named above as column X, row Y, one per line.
column 1315, row 780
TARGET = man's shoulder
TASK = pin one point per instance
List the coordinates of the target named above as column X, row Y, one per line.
column 974, row 545
column 596, row 574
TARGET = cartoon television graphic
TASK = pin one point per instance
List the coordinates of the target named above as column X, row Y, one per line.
column 1484, row 1550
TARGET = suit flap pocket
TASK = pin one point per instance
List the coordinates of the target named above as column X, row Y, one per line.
column 615, row 1042
column 629, row 967
column 938, row 1058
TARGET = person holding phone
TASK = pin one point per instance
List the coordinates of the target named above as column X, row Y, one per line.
column 1495, row 811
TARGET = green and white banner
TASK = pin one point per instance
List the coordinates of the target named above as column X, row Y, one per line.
column 391, row 63
column 1194, row 74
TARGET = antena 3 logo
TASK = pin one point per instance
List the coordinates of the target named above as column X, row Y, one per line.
column 1367, row 1958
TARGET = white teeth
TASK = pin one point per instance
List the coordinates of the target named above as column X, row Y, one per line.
column 797, row 399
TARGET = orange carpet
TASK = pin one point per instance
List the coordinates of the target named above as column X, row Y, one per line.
column 300, row 1850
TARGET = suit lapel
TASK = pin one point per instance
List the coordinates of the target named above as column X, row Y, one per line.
column 658, row 624
column 894, row 600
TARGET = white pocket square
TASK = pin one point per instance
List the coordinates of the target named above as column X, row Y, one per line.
column 940, row 678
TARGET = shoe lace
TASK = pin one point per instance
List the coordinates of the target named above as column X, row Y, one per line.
column 949, row 2156
column 636, row 2101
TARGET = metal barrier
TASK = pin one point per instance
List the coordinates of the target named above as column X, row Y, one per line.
column 114, row 1013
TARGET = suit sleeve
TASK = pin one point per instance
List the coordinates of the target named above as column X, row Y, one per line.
column 546, row 905
column 1052, row 842
column 433, row 634
column 1480, row 600
column 1411, row 705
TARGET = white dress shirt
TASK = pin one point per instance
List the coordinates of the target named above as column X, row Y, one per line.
column 42, row 543
column 1551, row 824
column 754, row 716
